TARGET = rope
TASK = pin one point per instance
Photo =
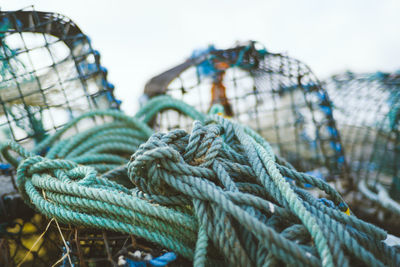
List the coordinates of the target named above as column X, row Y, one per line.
column 218, row 195
column 377, row 193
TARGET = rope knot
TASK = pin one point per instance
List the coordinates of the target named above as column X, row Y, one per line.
column 174, row 152
column 159, row 151
column 204, row 144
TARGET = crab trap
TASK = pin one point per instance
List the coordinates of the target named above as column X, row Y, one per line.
column 49, row 75
column 274, row 94
column 367, row 112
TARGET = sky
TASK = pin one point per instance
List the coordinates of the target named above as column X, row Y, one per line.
column 139, row 39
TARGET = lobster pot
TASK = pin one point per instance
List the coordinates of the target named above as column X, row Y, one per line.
column 367, row 112
column 274, row 94
column 49, row 74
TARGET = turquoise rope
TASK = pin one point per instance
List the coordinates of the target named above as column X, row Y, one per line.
column 215, row 196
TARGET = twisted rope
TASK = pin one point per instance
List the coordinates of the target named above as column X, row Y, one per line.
column 218, row 195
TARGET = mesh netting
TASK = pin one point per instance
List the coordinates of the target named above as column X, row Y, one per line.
column 367, row 115
column 49, row 74
column 274, row 94
column 367, row 112
column 40, row 242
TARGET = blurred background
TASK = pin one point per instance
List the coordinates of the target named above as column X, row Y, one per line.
column 139, row 39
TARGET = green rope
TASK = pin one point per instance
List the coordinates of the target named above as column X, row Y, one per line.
column 216, row 195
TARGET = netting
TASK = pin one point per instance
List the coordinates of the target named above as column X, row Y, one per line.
column 49, row 74
column 276, row 95
column 45, row 243
column 367, row 112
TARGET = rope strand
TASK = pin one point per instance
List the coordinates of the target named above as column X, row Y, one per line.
column 218, row 195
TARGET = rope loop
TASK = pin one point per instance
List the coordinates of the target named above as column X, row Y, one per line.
column 218, row 195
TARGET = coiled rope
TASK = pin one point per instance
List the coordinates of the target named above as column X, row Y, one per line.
column 217, row 195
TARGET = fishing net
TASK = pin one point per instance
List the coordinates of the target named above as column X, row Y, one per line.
column 274, row 94
column 367, row 112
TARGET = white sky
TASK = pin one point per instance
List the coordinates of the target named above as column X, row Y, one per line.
column 139, row 39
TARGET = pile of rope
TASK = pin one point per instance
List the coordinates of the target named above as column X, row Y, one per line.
column 218, row 195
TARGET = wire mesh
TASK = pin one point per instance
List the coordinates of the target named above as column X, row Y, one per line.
column 276, row 95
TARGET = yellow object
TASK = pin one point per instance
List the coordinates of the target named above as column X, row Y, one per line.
column 347, row 211
column 224, row 115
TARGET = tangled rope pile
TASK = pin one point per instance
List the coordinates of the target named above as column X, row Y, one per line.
column 218, row 195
